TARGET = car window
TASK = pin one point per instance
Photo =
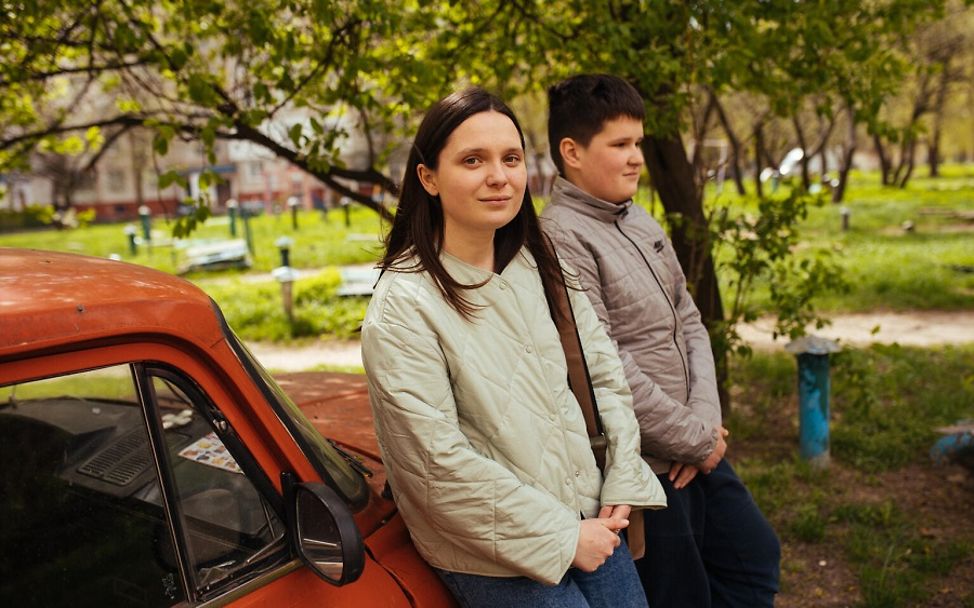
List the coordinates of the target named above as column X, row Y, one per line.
column 332, row 467
column 231, row 530
column 84, row 519
column 75, row 466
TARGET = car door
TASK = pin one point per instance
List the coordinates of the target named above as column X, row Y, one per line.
column 131, row 476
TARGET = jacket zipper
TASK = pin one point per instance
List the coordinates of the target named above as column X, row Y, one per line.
column 676, row 321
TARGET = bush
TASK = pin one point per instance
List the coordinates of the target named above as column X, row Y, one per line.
column 33, row 216
column 256, row 311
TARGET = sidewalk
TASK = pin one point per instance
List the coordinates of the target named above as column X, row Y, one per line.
column 909, row 329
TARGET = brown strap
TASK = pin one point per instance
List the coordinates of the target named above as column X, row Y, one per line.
column 579, row 380
column 636, row 534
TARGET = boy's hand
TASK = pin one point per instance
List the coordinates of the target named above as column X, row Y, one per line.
column 682, row 473
column 597, row 540
column 715, row 457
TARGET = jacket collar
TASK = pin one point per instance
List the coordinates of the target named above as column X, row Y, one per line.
column 465, row 273
column 569, row 195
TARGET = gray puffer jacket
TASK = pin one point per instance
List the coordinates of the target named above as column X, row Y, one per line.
column 633, row 278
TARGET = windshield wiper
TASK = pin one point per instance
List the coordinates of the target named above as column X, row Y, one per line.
column 355, row 462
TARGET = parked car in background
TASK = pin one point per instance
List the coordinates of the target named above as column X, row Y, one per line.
column 146, row 458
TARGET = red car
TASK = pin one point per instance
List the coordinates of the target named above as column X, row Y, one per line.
column 146, row 459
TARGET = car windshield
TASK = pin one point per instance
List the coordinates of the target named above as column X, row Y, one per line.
column 327, row 461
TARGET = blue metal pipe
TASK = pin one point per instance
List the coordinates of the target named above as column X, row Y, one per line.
column 813, row 407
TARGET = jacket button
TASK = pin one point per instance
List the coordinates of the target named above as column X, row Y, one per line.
column 528, row 349
column 568, row 481
column 502, row 285
column 578, row 473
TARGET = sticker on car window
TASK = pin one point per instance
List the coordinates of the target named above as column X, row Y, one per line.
column 209, row 450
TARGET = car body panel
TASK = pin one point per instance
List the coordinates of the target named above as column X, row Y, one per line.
column 63, row 313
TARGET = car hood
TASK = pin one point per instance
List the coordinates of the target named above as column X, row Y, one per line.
column 338, row 406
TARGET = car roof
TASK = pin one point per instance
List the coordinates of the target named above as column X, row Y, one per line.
column 49, row 299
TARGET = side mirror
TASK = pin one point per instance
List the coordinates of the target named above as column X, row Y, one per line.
column 322, row 531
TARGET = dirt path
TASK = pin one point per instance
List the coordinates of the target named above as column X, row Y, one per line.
column 917, row 328
column 909, row 329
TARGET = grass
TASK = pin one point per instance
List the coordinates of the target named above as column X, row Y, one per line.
column 887, row 268
column 886, row 400
column 256, row 311
column 320, row 240
column 886, row 403
column 253, row 308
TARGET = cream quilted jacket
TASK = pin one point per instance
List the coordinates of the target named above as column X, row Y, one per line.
column 484, row 444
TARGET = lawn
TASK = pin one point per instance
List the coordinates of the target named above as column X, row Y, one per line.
column 320, row 240
column 929, row 267
column 882, row 527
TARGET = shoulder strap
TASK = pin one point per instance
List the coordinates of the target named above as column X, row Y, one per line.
column 579, row 380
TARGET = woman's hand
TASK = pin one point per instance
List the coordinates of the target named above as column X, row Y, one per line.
column 616, row 512
column 597, row 541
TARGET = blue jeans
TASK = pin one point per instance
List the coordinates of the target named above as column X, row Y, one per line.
column 711, row 547
column 614, row 585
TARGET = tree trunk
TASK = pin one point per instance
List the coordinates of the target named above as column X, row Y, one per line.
column 800, row 134
column 933, row 152
column 758, row 145
column 907, row 163
column 885, row 166
column 735, row 144
column 673, row 176
column 845, row 163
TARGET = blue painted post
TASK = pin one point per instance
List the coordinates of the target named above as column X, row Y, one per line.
column 813, row 397
column 813, row 407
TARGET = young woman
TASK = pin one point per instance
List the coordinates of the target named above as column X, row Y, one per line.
column 484, row 444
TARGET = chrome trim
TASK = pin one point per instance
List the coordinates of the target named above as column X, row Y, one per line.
column 253, row 584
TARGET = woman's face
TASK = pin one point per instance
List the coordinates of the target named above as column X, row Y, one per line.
column 480, row 177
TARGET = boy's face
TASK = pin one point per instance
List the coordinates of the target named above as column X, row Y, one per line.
column 609, row 166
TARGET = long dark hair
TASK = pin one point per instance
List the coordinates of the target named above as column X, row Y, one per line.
column 418, row 226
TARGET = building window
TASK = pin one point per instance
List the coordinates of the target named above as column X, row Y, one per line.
column 87, row 181
column 116, row 180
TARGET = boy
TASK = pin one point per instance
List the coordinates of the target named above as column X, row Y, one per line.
column 711, row 546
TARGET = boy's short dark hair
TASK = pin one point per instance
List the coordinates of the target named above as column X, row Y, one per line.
column 580, row 105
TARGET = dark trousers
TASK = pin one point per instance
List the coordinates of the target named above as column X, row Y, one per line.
column 710, row 548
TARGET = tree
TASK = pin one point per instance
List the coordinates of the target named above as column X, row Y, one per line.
column 782, row 51
column 273, row 72
column 202, row 69
column 939, row 54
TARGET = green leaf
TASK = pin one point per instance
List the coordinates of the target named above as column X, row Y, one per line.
column 295, row 134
